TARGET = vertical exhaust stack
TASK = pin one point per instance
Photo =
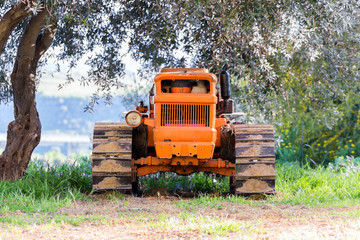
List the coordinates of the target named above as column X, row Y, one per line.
column 225, row 83
column 151, row 100
column 225, row 103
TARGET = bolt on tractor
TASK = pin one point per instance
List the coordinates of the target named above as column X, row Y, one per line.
column 186, row 129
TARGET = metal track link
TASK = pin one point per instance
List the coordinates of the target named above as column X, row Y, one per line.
column 255, row 159
column 111, row 156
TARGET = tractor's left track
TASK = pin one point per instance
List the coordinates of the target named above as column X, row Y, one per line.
column 111, row 157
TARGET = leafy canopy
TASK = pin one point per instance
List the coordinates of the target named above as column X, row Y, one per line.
column 293, row 62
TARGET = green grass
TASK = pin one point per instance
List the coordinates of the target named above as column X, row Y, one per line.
column 204, row 224
column 353, row 214
column 187, row 221
column 336, row 185
column 36, row 219
column 116, row 197
column 295, row 185
column 320, row 186
column 46, row 189
column 218, row 202
column 205, row 200
column 36, row 199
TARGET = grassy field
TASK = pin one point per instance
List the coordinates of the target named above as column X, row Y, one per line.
column 47, row 187
column 40, row 197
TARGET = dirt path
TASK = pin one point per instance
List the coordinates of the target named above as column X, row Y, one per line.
column 173, row 218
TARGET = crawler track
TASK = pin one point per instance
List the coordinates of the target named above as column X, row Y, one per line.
column 111, row 156
column 255, row 159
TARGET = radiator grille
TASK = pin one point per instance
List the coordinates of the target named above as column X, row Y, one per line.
column 185, row 115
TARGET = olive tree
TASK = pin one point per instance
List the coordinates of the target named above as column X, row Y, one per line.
column 28, row 29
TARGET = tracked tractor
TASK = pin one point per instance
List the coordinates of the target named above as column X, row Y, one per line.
column 186, row 129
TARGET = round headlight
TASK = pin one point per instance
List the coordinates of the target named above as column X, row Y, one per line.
column 133, row 118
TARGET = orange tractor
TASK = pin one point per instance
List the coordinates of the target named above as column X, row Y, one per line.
column 185, row 130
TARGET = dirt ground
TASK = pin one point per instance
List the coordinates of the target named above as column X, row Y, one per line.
column 169, row 217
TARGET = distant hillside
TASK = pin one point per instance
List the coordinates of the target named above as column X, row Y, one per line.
column 67, row 114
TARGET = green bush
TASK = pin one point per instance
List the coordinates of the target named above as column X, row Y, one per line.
column 305, row 140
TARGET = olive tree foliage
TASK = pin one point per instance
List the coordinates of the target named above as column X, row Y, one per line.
column 264, row 42
column 295, row 63
column 261, row 40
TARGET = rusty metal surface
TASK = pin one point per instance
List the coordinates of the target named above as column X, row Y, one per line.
column 183, row 170
column 119, row 166
column 104, row 133
column 109, row 145
column 255, row 186
column 111, row 156
column 184, row 161
column 255, row 149
column 255, row 170
column 103, row 182
column 151, row 164
column 255, row 159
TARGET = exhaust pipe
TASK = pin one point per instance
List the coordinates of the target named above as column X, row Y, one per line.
column 225, row 83
column 225, row 103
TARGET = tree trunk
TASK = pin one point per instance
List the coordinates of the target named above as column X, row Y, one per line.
column 24, row 132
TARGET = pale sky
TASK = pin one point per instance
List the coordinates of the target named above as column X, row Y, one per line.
column 50, row 79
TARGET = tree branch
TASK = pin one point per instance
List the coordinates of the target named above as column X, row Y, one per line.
column 27, row 43
column 44, row 41
column 12, row 18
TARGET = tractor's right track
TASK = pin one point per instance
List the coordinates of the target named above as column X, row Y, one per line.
column 255, row 159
